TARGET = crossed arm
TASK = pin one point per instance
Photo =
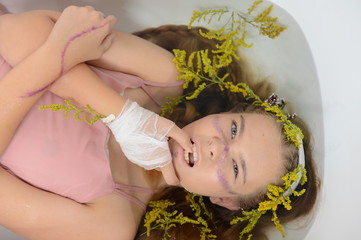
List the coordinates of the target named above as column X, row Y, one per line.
column 30, row 211
column 126, row 54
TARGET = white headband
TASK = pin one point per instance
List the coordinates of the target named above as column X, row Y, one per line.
column 301, row 161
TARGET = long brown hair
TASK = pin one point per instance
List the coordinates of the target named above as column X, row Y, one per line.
column 214, row 101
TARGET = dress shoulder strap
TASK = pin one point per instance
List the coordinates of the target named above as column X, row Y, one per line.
column 121, row 188
column 155, row 84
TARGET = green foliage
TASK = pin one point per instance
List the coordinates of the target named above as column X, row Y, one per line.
column 88, row 115
column 202, row 71
column 160, row 217
column 275, row 198
column 200, row 68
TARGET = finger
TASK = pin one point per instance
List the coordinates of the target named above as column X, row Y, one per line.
column 111, row 20
column 89, row 7
column 182, row 138
column 100, row 13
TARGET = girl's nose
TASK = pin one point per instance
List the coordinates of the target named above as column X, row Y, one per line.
column 217, row 148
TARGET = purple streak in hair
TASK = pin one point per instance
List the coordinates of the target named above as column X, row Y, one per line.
column 30, row 94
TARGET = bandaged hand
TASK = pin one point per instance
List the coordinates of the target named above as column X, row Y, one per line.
column 143, row 136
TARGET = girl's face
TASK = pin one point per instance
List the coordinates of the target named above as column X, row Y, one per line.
column 234, row 153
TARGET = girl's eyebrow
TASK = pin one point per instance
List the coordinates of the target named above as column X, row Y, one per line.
column 242, row 125
column 242, row 162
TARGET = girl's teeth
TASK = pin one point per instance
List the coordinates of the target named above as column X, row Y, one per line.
column 195, row 156
column 186, row 156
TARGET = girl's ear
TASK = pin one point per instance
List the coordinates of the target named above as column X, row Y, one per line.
column 227, row 202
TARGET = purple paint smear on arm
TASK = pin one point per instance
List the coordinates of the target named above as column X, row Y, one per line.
column 62, row 64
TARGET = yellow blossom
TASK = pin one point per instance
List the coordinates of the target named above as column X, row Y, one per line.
column 161, row 217
column 254, row 6
column 88, row 115
column 202, row 70
column 278, row 224
column 197, row 91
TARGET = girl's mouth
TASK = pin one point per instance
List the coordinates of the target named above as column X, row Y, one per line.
column 191, row 158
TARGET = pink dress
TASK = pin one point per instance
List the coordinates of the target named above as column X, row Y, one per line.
column 64, row 156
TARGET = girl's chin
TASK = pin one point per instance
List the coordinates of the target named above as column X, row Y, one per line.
column 169, row 175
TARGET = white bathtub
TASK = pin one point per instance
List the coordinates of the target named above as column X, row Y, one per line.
column 326, row 83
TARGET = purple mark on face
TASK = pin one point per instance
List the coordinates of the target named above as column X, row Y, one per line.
column 224, row 182
column 174, row 153
column 30, row 94
column 220, row 175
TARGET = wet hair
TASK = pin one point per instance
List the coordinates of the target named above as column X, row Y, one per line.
column 214, row 101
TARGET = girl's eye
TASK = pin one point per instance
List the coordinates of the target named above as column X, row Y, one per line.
column 235, row 168
column 233, row 130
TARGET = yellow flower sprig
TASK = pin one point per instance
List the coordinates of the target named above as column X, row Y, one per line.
column 234, row 19
column 88, row 115
column 292, row 132
column 199, row 209
column 201, row 68
column 161, row 218
column 195, row 74
column 275, row 198
column 252, row 8
column 267, row 25
column 171, row 104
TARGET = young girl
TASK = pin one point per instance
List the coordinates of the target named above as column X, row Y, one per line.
column 98, row 192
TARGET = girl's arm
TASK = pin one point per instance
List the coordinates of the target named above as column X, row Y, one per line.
column 29, row 75
column 128, row 53
column 17, row 83
column 26, row 210
column 134, row 55
column 30, row 29
column 36, row 214
column 80, row 84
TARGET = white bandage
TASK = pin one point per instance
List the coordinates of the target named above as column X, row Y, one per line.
column 142, row 135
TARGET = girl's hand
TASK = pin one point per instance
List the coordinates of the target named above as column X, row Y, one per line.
column 80, row 34
column 143, row 137
column 184, row 140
